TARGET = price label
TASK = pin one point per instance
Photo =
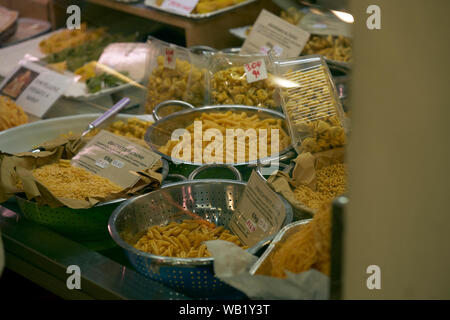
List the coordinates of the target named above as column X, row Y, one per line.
column 259, row 213
column 115, row 157
column 255, row 71
column 181, row 6
column 169, row 58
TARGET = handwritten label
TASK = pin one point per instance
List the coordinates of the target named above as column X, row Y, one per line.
column 169, row 58
column 259, row 213
column 255, row 71
column 181, row 6
column 34, row 88
column 115, row 157
column 273, row 33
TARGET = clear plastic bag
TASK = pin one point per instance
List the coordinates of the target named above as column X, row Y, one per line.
column 175, row 73
column 228, row 82
column 311, row 104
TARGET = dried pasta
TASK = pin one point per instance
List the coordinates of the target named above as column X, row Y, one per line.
column 65, row 181
column 11, row 115
column 68, row 39
column 313, row 110
column 307, row 248
column 331, row 182
column 230, row 120
column 183, row 240
column 230, row 86
column 185, row 82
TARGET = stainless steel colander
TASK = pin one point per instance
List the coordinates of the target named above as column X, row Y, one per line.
column 211, row 199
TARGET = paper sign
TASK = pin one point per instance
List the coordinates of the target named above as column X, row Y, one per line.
column 273, row 33
column 181, row 6
column 34, row 88
column 169, row 58
column 260, row 212
column 115, row 157
column 325, row 24
column 255, row 71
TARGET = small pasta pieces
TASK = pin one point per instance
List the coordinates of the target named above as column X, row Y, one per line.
column 183, row 240
column 185, row 82
column 230, row 86
column 11, row 115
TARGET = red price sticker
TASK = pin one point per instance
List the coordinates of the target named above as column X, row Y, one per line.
column 255, row 71
column 169, row 58
column 250, row 225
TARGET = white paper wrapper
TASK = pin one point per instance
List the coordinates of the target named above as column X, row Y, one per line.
column 127, row 57
column 232, row 265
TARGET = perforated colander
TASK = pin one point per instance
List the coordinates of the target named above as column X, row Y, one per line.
column 79, row 224
column 212, row 199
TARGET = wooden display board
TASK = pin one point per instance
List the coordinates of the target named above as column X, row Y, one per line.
column 213, row 32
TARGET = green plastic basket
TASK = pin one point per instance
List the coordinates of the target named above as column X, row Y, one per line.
column 80, row 224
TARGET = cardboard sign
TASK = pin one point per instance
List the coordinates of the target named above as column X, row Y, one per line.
column 260, row 212
column 170, row 61
column 255, row 71
column 34, row 88
column 273, row 33
column 115, row 157
column 181, row 6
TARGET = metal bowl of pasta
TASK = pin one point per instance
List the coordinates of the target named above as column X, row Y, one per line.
column 162, row 233
column 257, row 145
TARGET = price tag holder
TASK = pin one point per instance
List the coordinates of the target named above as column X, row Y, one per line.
column 115, row 157
column 181, row 6
column 170, row 59
column 260, row 212
column 273, row 33
column 34, row 87
column 255, row 71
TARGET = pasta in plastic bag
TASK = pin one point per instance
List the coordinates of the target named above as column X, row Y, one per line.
column 228, row 82
column 175, row 73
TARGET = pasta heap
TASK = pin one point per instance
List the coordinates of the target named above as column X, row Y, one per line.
column 68, row 38
column 230, row 120
column 11, row 115
column 66, row 181
column 183, row 240
column 313, row 111
column 307, row 248
column 334, row 48
column 186, row 82
column 331, row 182
column 230, row 86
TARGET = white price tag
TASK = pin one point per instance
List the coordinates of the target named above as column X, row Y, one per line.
column 255, row 71
column 34, row 87
column 181, row 6
column 169, row 58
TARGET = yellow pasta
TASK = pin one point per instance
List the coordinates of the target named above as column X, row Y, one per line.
column 183, row 240
column 11, row 115
column 230, row 86
column 230, row 120
column 185, row 82
column 307, row 248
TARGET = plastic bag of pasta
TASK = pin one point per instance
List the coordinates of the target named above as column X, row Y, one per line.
column 242, row 79
column 175, row 74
